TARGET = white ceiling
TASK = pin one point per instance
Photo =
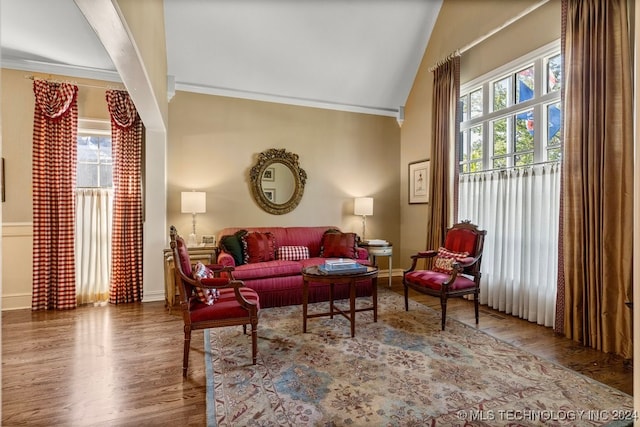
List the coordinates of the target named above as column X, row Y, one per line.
column 353, row 55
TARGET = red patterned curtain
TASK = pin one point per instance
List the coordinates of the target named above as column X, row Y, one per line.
column 126, row 255
column 55, row 128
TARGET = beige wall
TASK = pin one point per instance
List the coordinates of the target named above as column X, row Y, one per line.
column 214, row 142
column 460, row 23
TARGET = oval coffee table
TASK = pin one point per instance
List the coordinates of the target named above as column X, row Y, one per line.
column 314, row 274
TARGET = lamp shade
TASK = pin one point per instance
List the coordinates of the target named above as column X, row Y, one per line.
column 363, row 206
column 194, row 202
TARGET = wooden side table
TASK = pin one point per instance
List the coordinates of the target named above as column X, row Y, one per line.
column 204, row 254
column 380, row 250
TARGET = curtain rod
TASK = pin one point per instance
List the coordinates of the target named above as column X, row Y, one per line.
column 109, row 87
column 489, row 34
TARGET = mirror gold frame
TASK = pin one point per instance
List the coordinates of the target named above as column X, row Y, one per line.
column 265, row 160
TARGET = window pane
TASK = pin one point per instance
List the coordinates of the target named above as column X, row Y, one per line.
column 524, row 159
column 501, row 93
column 554, row 154
column 464, row 107
column 499, row 128
column 554, row 123
column 554, row 74
column 476, row 143
column 554, row 132
column 475, row 166
column 87, row 149
column 524, row 131
column 106, row 176
column 500, row 163
column 476, row 103
column 464, row 146
column 95, row 161
column 524, row 85
column 87, row 175
column 105, row 150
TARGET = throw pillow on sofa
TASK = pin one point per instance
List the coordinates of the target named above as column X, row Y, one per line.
column 293, row 253
column 235, row 245
column 338, row 245
column 443, row 262
column 260, row 247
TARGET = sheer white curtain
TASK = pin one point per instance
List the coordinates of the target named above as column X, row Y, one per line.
column 93, row 244
column 519, row 208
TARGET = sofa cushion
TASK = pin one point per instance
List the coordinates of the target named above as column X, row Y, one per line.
column 443, row 262
column 338, row 245
column 293, row 253
column 227, row 306
column 278, row 268
column 260, row 247
column 235, row 245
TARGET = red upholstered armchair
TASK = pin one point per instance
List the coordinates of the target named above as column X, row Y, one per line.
column 455, row 268
column 209, row 301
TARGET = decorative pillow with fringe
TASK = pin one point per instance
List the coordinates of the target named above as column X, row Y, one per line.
column 207, row 296
column 443, row 262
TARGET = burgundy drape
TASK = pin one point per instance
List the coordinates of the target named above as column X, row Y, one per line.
column 126, row 255
column 55, row 128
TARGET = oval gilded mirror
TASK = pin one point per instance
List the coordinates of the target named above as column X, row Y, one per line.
column 277, row 181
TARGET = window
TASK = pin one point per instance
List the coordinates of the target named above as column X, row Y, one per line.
column 95, row 161
column 505, row 112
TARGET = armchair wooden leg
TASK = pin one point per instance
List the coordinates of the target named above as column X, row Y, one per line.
column 443, row 305
column 406, row 297
column 187, row 346
column 254, row 342
column 477, row 306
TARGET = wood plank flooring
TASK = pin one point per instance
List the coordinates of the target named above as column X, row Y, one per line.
column 122, row 365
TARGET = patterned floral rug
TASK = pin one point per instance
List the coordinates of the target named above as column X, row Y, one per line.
column 401, row 371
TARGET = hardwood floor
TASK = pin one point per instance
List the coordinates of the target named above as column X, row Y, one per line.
column 122, row 365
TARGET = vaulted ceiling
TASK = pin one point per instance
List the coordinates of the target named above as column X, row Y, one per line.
column 352, row 55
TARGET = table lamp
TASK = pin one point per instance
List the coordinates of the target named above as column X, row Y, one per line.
column 193, row 202
column 363, row 206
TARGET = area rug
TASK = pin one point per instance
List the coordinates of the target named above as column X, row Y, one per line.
column 401, row 371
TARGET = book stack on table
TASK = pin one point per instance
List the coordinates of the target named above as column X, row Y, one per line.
column 341, row 266
column 376, row 242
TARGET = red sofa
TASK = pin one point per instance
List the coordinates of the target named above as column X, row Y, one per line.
column 278, row 281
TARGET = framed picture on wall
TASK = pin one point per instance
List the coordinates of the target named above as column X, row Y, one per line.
column 419, row 181
column 269, row 174
column 270, row 194
column 209, row 240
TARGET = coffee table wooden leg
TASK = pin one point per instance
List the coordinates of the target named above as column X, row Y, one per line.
column 331, row 309
column 305, row 301
column 374, row 296
column 352, row 306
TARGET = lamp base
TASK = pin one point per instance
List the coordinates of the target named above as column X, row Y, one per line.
column 192, row 240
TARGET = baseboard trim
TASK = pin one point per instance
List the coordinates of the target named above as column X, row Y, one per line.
column 16, row 301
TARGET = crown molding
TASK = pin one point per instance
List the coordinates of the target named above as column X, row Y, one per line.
column 266, row 97
column 61, row 69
